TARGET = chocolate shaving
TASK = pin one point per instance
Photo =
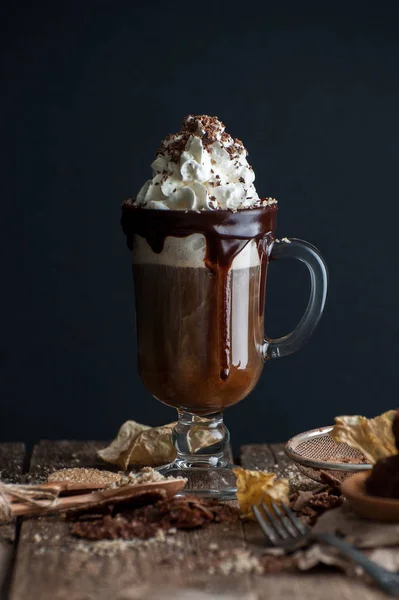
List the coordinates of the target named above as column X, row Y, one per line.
column 330, row 480
column 209, row 129
column 309, row 506
column 185, row 512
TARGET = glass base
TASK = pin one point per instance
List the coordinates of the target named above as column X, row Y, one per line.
column 200, row 444
column 204, row 480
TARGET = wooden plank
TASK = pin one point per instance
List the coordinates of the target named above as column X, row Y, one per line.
column 305, row 586
column 11, row 465
column 52, row 565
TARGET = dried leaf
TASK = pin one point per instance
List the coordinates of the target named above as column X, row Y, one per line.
column 254, row 487
column 153, row 447
column 117, row 452
column 372, row 437
column 138, row 444
column 199, row 437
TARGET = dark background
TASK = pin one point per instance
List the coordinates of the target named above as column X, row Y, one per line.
column 88, row 90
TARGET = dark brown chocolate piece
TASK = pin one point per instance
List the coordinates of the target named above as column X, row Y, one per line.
column 384, row 478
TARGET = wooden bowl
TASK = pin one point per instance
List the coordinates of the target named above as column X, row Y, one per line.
column 371, row 507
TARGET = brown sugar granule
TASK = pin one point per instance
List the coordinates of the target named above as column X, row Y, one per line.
column 106, row 478
column 89, row 476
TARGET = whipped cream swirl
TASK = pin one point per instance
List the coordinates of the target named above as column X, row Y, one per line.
column 201, row 168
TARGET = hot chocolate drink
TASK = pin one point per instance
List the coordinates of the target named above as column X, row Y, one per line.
column 201, row 239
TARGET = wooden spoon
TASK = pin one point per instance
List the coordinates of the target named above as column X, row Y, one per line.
column 61, row 488
column 98, row 498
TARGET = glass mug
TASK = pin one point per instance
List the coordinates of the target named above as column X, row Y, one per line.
column 200, row 281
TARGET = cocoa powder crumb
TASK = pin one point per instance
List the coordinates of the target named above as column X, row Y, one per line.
column 346, row 459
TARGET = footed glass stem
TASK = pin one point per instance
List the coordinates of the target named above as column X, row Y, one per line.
column 200, row 446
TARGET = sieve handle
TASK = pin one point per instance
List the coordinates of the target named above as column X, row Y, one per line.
column 308, row 254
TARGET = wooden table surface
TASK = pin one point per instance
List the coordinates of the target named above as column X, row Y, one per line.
column 39, row 560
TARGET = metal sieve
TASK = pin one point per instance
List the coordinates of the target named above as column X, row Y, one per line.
column 315, row 451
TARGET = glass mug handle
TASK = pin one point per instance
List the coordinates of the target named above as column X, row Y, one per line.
column 308, row 254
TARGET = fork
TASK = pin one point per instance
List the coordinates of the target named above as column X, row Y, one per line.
column 283, row 529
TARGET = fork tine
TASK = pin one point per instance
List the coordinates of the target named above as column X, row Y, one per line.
column 301, row 527
column 285, row 522
column 275, row 522
column 267, row 530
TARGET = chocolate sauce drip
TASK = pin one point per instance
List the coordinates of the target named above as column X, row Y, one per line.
column 226, row 235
